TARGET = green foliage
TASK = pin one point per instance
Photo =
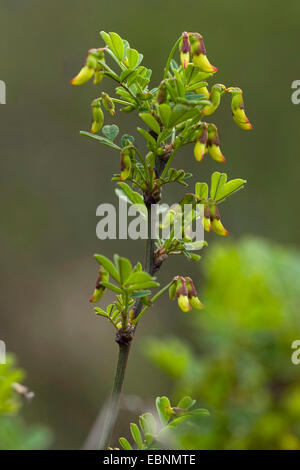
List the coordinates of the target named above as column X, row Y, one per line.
column 14, row 434
column 9, row 374
column 239, row 363
column 173, row 113
column 133, row 283
column 153, row 433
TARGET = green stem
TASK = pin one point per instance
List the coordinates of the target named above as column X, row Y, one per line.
column 124, row 349
column 116, row 100
column 114, row 402
column 153, row 300
column 151, row 241
column 173, row 50
column 168, row 164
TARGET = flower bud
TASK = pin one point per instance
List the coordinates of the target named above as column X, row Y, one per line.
column 84, row 75
column 172, row 291
column 125, row 164
column 216, row 223
column 199, row 55
column 200, row 146
column 128, row 109
column 90, row 68
column 98, row 117
column 213, row 144
column 132, row 314
column 199, row 151
column 196, row 303
column 183, row 303
column 99, row 289
column 215, row 98
column 194, row 300
column 206, row 220
column 218, row 228
column 203, row 91
column 162, row 92
column 238, row 109
column 150, row 159
column 182, row 295
column 185, row 49
column 108, row 104
column 99, row 74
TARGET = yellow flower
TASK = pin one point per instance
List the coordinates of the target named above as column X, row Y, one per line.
column 84, row 75
column 183, row 303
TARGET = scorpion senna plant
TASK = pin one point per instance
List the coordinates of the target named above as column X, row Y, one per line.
column 173, row 114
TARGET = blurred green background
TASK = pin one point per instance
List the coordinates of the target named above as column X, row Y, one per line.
column 52, row 180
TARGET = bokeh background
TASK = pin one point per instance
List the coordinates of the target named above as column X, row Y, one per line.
column 52, row 180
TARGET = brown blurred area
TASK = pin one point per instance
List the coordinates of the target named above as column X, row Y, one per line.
column 52, row 180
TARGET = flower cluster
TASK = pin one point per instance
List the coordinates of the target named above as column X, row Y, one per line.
column 184, row 291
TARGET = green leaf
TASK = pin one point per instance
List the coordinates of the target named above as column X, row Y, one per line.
column 152, row 142
column 148, row 424
column 135, row 432
column 193, row 113
column 165, row 112
column 125, row 95
column 110, row 131
column 102, row 140
column 174, row 65
column 137, row 278
column 149, row 439
column 126, row 45
column 194, row 246
column 137, row 268
column 100, row 311
column 179, row 83
column 125, row 138
column 125, row 269
column 195, row 257
column 132, row 197
column 161, row 404
column 164, row 135
column 112, row 287
column 117, row 45
column 144, row 285
column 201, row 190
column 126, row 73
column 141, row 293
column 197, row 85
column 229, row 188
column 140, row 58
column 107, row 39
column 151, row 122
column 186, row 402
column 108, row 265
column 132, row 78
column 199, row 412
column 217, row 182
column 133, row 58
column 177, row 112
column 125, row 444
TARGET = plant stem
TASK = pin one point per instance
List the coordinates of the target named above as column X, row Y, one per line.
column 114, row 403
column 150, row 241
column 124, row 349
column 173, row 50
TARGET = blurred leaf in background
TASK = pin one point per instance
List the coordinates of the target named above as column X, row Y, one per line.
column 14, row 433
column 239, row 363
